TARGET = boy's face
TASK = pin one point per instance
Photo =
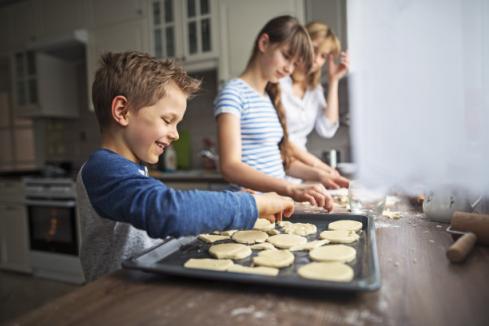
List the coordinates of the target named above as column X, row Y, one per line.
column 151, row 129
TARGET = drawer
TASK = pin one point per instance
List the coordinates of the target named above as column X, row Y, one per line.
column 11, row 191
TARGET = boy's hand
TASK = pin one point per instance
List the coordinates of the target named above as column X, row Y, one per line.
column 273, row 207
column 315, row 194
column 333, row 181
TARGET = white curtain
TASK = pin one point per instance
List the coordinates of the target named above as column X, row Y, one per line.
column 420, row 92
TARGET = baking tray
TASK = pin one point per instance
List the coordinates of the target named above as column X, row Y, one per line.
column 168, row 258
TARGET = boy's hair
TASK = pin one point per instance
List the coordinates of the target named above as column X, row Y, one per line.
column 141, row 78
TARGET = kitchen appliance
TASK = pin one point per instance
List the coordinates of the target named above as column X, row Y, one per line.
column 331, row 157
column 471, row 228
column 54, row 231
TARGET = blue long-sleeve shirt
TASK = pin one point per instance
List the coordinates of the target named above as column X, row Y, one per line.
column 121, row 209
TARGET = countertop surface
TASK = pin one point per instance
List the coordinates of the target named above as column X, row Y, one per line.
column 419, row 287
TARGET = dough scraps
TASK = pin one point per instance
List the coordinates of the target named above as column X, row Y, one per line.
column 285, row 241
column 350, row 225
column 230, row 251
column 270, row 271
column 209, row 263
column 339, row 252
column 332, row 271
column 211, row 238
column 274, row 258
column 339, row 236
column 302, row 229
column 250, row 236
column 226, row 232
column 309, row 245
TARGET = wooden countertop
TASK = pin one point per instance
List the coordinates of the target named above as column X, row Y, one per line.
column 419, row 287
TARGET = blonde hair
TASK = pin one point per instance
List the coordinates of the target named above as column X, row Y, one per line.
column 285, row 30
column 328, row 42
column 139, row 77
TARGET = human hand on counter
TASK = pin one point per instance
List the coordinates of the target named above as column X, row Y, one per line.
column 272, row 206
column 333, row 180
column 314, row 193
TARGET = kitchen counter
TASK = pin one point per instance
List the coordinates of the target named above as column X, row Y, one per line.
column 419, row 287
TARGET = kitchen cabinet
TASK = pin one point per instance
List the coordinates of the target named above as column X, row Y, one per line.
column 131, row 35
column 59, row 17
column 111, row 12
column 14, row 240
column 25, row 24
column 43, row 86
column 186, row 30
column 240, row 22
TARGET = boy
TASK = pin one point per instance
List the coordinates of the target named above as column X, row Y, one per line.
column 139, row 101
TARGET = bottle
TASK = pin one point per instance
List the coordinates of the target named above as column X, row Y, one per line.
column 170, row 159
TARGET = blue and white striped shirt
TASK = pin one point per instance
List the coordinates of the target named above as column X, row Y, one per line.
column 261, row 131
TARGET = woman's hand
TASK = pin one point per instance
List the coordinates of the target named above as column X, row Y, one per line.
column 315, row 194
column 338, row 71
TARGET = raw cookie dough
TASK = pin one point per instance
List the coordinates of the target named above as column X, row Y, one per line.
column 274, row 258
column 302, row 229
column 211, row 238
column 350, row 225
column 262, row 224
column 273, row 232
column 339, row 236
column 332, row 271
column 263, row 246
column 270, row 271
column 309, row 245
column 227, row 232
column 209, row 263
column 250, row 236
column 230, row 251
column 340, row 253
column 285, row 241
column 392, row 214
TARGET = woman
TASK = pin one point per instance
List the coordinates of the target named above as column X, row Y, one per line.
column 252, row 132
column 303, row 98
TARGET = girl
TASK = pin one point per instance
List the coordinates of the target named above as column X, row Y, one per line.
column 303, row 98
column 253, row 143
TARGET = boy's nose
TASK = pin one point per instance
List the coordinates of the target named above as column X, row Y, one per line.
column 174, row 135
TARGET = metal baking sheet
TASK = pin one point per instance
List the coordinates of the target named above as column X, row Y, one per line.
column 169, row 257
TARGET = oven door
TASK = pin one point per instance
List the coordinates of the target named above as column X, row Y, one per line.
column 52, row 226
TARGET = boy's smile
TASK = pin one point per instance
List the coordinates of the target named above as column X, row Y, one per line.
column 151, row 129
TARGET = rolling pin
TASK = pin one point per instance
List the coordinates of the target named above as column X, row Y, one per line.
column 473, row 228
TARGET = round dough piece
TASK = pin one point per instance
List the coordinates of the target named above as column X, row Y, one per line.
column 209, row 263
column 285, row 241
column 262, row 224
column 302, row 229
column 230, row 251
column 339, row 236
column 226, row 232
column 309, row 245
column 340, row 253
column 211, row 238
column 332, row 271
column 250, row 236
column 274, row 258
column 270, row 271
column 263, row 246
column 349, row 225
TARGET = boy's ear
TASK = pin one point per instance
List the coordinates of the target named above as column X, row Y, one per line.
column 120, row 110
column 263, row 42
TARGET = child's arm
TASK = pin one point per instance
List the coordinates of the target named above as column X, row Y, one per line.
column 235, row 171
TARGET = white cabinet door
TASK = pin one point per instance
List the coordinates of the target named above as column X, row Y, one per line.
column 109, row 12
column 14, row 241
column 63, row 16
column 240, row 22
column 132, row 35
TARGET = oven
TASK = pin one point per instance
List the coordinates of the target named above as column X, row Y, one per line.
column 53, row 228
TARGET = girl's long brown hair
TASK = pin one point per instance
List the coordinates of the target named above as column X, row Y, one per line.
column 285, row 30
